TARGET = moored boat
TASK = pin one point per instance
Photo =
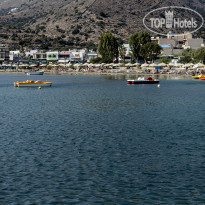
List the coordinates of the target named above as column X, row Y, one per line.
column 31, row 83
column 201, row 79
column 198, row 76
column 35, row 73
column 142, row 80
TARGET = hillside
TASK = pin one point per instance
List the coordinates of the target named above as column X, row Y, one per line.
column 80, row 20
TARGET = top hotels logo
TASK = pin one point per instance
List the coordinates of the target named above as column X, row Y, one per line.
column 179, row 19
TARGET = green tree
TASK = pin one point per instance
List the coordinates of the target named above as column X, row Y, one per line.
column 137, row 41
column 108, row 47
column 122, row 52
column 185, row 59
column 190, row 55
column 165, row 60
column 96, row 60
column 199, row 55
column 150, row 51
column 188, row 52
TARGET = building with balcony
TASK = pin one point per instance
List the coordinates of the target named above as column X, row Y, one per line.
column 91, row 55
column 64, row 56
column 4, row 53
column 40, row 56
column 194, row 43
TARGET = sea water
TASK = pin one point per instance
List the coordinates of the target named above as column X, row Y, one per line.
column 96, row 140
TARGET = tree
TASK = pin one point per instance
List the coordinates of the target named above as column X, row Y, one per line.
column 191, row 55
column 199, row 55
column 96, row 60
column 165, row 60
column 150, row 51
column 122, row 52
column 189, row 52
column 108, row 47
column 185, row 59
column 137, row 40
column 156, row 50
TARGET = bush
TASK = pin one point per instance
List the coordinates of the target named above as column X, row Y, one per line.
column 165, row 60
column 76, row 31
column 185, row 59
column 103, row 14
column 4, row 35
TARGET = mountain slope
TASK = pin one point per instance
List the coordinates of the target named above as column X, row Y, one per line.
column 84, row 19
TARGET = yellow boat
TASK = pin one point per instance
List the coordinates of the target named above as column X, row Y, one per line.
column 198, row 76
column 31, row 83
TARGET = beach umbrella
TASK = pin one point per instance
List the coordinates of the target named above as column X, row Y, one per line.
column 85, row 64
column 199, row 65
column 67, row 64
column 61, row 65
column 128, row 65
column 171, row 64
column 54, row 65
column 179, row 65
column 33, row 65
column 92, row 65
column 153, row 65
column 8, row 65
column 43, row 65
column 120, row 64
column 107, row 65
column 77, row 65
column 188, row 65
column 111, row 64
column 145, row 65
column 23, row 65
column 115, row 64
column 96, row 65
column 162, row 64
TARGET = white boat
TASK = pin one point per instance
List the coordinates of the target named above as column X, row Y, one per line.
column 36, row 73
column 142, row 80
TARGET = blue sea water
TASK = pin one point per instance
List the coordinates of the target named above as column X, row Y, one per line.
column 96, row 140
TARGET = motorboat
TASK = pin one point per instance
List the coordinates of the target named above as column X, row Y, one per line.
column 31, row 83
column 35, row 73
column 198, row 76
column 142, row 80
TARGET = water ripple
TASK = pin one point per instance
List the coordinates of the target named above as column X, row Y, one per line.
column 95, row 140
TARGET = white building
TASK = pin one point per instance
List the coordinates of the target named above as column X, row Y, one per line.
column 91, row 55
column 64, row 56
column 30, row 53
column 77, row 56
column 14, row 55
column 128, row 50
column 52, row 56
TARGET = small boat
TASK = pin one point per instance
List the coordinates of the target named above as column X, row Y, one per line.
column 201, row 79
column 31, row 83
column 142, row 80
column 35, row 73
column 198, row 76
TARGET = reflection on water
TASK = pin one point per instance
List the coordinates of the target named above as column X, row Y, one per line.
column 155, row 76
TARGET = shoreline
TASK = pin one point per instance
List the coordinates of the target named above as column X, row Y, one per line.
column 59, row 72
column 112, row 75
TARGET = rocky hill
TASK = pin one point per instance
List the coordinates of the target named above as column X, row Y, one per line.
column 80, row 20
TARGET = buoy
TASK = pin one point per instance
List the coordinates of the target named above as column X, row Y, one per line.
column 39, row 87
column 158, row 85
